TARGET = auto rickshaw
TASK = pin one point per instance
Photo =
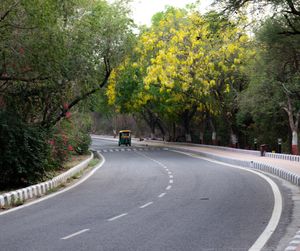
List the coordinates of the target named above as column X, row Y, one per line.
column 125, row 137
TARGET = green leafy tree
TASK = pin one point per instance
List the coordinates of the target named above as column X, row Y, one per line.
column 81, row 45
column 289, row 10
column 53, row 56
column 276, row 74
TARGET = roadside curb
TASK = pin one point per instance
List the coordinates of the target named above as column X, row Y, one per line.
column 289, row 157
column 277, row 171
column 23, row 194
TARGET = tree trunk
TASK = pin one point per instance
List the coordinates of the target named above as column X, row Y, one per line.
column 152, row 128
column 161, row 128
column 174, row 131
column 186, row 124
column 202, row 137
column 233, row 139
column 151, row 121
column 294, row 122
column 187, row 118
column 214, row 132
column 202, row 130
column 295, row 149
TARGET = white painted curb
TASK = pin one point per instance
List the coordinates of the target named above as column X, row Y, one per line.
column 33, row 191
column 277, row 171
column 251, row 152
column 283, row 156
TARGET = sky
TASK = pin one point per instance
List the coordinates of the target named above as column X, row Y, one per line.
column 143, row 10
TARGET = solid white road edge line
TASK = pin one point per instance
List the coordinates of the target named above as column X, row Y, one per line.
column 146, row 205
column 57, row 193
column 277, row 209
column 117, row 217
column 77, row 233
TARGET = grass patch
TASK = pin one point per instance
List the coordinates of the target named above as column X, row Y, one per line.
column 73, row 161
column 94, row 162
column 14, row 203
column 17, row 203
column 52, row 190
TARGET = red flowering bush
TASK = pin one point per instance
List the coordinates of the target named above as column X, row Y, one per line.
column 60, row 148
column 68, row 139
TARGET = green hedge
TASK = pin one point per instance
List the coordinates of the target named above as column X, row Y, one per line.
column 24, row 152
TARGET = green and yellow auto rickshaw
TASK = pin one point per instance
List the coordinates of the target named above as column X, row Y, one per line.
column 125, row 137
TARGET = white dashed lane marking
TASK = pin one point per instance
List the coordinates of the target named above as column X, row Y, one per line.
column 117, row 217
column 146, row 205
column 161, row 195
column 131, row 149
column 75, row 234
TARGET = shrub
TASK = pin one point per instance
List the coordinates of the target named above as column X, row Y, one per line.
column 82, row 143
column 60, row 151
column 24, row 152
column 69, row 137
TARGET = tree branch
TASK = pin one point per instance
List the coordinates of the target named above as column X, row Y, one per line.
column 293, row 8
column 286, row 90
column 77, row 100
column 16, row 26
column 27, row 80
column 8, row 11
column 295, row 31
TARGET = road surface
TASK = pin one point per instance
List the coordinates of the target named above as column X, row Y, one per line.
column 147, row 199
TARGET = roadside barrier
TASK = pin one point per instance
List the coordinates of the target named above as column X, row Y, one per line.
column 277, row 171
column 283, row 156
column 21, row 195
column 286, row 175
column 223, row 148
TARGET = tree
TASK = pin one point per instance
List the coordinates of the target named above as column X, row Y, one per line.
column 276, row 74
column 81, row 45
column 55, row 54
column 184, row 63
column 288, row 9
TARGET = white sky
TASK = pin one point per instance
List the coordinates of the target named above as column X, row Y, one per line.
column 143, row 10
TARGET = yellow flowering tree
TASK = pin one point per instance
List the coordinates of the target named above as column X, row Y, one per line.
column 184, row 64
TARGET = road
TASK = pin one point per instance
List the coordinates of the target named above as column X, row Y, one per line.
column 147, row 199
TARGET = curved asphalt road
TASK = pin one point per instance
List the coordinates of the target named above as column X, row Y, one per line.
column 147, row 200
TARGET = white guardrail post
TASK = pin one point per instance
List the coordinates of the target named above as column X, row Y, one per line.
column 23, row 194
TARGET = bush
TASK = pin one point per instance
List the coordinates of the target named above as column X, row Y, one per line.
column 24, row 152
column 60, row 152
column 69, row 137
column 82, row 143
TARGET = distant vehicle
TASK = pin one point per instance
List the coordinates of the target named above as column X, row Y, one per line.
column 125, row 137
